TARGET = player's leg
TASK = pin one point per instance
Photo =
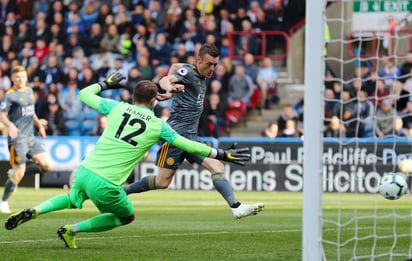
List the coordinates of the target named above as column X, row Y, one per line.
column 41, row 157
column 56, row 203
column 18, row 153
column 168, row 160
column 223, row 186
column 111, row 200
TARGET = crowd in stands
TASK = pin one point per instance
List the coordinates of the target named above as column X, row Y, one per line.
column 67, row 45
column 372, row 103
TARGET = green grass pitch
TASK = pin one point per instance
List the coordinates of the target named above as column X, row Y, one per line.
column 197, row 225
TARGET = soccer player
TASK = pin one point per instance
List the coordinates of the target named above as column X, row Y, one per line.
column 131, row 131
column 18, row 115
column 187, row 108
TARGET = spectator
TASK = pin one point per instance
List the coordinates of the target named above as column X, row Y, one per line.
column 93, row 39
column 271, row 131
column 240, row 17
column 384, row 119
column 287, row 114
column 389, row 71
column 40, row 50
column 191, row 36
column 347, row 104
column 222, row 22
column 216, row 88
column 56, row 34
column 221, row 76
column 334, row 129
column 101, row 125
column 174, row 28
column 380, row 94
column 56, row 7
column 398, row 129
column 406, row 115
column 133, row 77
column 160, row 52
column 144, row 67
column 5, row 82
column 39, row 30
column 290, row 130
column 406, row 68
column 371, row 83
column 111, row 39
column 89, row 14
column 365, row 112
column 215, row 112
column 251, row 68
column 240, row 85
column 353, row 87
column 266, row 79
column 181, row 53
column 7, row 46
column 331, row 104
column 126, row 96
column 72, row 107
column 247, row 41
column 51, row 73
column 52, row 119
column 262, row 23
column 99, row 59
column 104, row 11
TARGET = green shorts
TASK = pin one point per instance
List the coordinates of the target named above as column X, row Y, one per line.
column 106, row 196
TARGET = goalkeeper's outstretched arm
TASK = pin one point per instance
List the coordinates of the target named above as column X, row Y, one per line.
column 234, row 155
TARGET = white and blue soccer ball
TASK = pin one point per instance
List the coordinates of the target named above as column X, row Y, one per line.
column 393, row 186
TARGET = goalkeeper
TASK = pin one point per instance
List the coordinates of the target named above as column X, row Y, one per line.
column 132, row 130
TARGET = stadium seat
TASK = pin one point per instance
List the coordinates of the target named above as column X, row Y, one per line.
column 235, row 112
column 256, row 100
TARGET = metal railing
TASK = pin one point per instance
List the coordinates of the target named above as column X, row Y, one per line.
column 266, row 40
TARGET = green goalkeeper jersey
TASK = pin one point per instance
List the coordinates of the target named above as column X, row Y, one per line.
column 131, row 131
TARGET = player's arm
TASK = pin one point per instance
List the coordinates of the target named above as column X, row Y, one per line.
column 174, row 67
column 169, row 84
column 40, row 127
column 238, row 156
column 13, row 131
column 89, row 96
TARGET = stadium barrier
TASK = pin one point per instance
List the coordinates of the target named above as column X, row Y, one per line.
column 276, row 164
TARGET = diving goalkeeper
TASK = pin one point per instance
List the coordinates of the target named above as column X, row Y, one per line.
column 132, row 130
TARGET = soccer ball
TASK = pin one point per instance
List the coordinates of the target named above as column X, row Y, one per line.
column 393, row 186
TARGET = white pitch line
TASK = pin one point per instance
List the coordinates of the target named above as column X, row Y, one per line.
column 155, row 235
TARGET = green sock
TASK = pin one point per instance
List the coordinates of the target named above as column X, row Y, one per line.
column 56, row 203
column 98, row 223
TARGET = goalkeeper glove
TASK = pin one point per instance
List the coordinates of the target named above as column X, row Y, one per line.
column 112, row 82
column 237, row 156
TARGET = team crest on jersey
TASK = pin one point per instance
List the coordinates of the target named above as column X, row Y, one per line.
column 182, row 71
column 170, row 161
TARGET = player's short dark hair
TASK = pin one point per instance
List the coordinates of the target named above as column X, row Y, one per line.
column 209, row 48
column 144, row 91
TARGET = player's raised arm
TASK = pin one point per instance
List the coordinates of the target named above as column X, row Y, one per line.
column 89, row 96
column 170, row 85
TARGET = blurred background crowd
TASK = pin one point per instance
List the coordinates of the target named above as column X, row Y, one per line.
column 67, row 45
